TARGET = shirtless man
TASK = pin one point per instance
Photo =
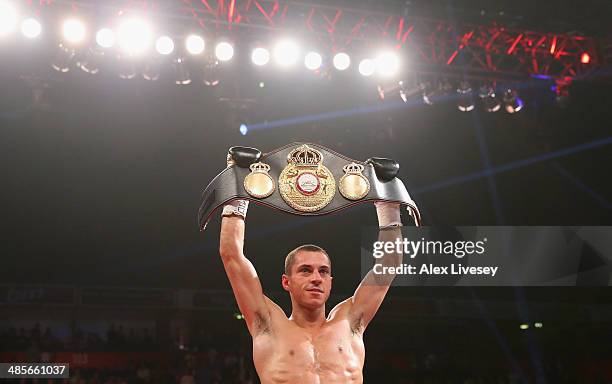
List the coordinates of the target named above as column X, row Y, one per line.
column 307, row 347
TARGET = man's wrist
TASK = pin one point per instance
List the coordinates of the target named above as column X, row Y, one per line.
column 236, row 208
column 388, row 215
column 390, row 226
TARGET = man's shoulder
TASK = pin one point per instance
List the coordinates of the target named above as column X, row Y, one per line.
column 273, row 308
column 342, row 309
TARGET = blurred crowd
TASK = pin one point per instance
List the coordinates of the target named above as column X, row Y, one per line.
column 117, row 338
column 215, row 357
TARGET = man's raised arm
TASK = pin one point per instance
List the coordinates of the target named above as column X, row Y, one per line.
column 372, row 290
column 241, row 273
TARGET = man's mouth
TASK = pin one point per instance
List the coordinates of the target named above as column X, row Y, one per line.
column 315, row 290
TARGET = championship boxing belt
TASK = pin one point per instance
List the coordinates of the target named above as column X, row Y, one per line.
column 304, row 179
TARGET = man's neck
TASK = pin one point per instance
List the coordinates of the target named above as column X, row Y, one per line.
column 308, row 318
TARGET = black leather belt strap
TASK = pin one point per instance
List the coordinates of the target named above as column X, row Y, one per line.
column 229, row 184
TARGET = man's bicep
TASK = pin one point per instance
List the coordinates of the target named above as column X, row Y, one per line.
column 368, row 297
column 248, row 292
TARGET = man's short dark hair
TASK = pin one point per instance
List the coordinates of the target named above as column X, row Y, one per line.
column 289, row 260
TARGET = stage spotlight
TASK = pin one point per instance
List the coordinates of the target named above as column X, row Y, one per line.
column 211, row 76
column 585, row 58
column 91, row 62
column 164, row 45
column 489, row 101
column 512, row 101
column 63, row 58
column 466, row 100
column 406, row 91
column 244, row 129
column 260, row 56
column 538, row 325
column 31, row 28
column 224, row 51
column 127, row 67
column 152, row 69
column 524, row 326
column 105, row 38
column 342, row 61
column 433, row 91
column 195, row 44
column 8, row 18
column 402, row 91
column 181, row 73
column 367, row 67
column 134, row 36
column 286, row 53
column 387, row 64
column 74, row 31
column 428, row 90
column 313, row 61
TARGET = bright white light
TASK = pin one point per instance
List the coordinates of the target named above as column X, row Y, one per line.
column 74, row 31
column 387, row 64
column 134, row 36
column 195, row 44
column 342, row 61
column 8, row 18
column 313, row 61
column 224, row 51
column 105, row 38
column 367, row 67
column 260, row 56
column 164, row 45
column 243, row 131
column 31, row 28
column 286, row 53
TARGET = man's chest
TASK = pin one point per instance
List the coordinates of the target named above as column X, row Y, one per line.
column 331, row 345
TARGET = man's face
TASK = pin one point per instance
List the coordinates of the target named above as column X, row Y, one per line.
column 310, row 280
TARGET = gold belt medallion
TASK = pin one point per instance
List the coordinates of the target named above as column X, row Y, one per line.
column 354, row 185
column 305, row 183
column 259, row 183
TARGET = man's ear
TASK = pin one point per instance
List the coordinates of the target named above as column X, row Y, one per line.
column 285, row 282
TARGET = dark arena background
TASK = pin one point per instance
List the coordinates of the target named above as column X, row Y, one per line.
column 498, row 111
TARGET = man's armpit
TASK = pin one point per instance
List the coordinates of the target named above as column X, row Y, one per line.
column 356, row 323
column 261, row 322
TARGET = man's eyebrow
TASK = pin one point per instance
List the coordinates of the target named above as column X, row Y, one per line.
column 310, row 266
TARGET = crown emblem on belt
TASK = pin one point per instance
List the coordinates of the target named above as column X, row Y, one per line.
column 353, row 168
column 305, row 156
column 259, row 167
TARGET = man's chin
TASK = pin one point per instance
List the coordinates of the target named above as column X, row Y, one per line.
column 315, row 303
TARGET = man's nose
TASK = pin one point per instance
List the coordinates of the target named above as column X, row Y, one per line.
column 316, row 278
